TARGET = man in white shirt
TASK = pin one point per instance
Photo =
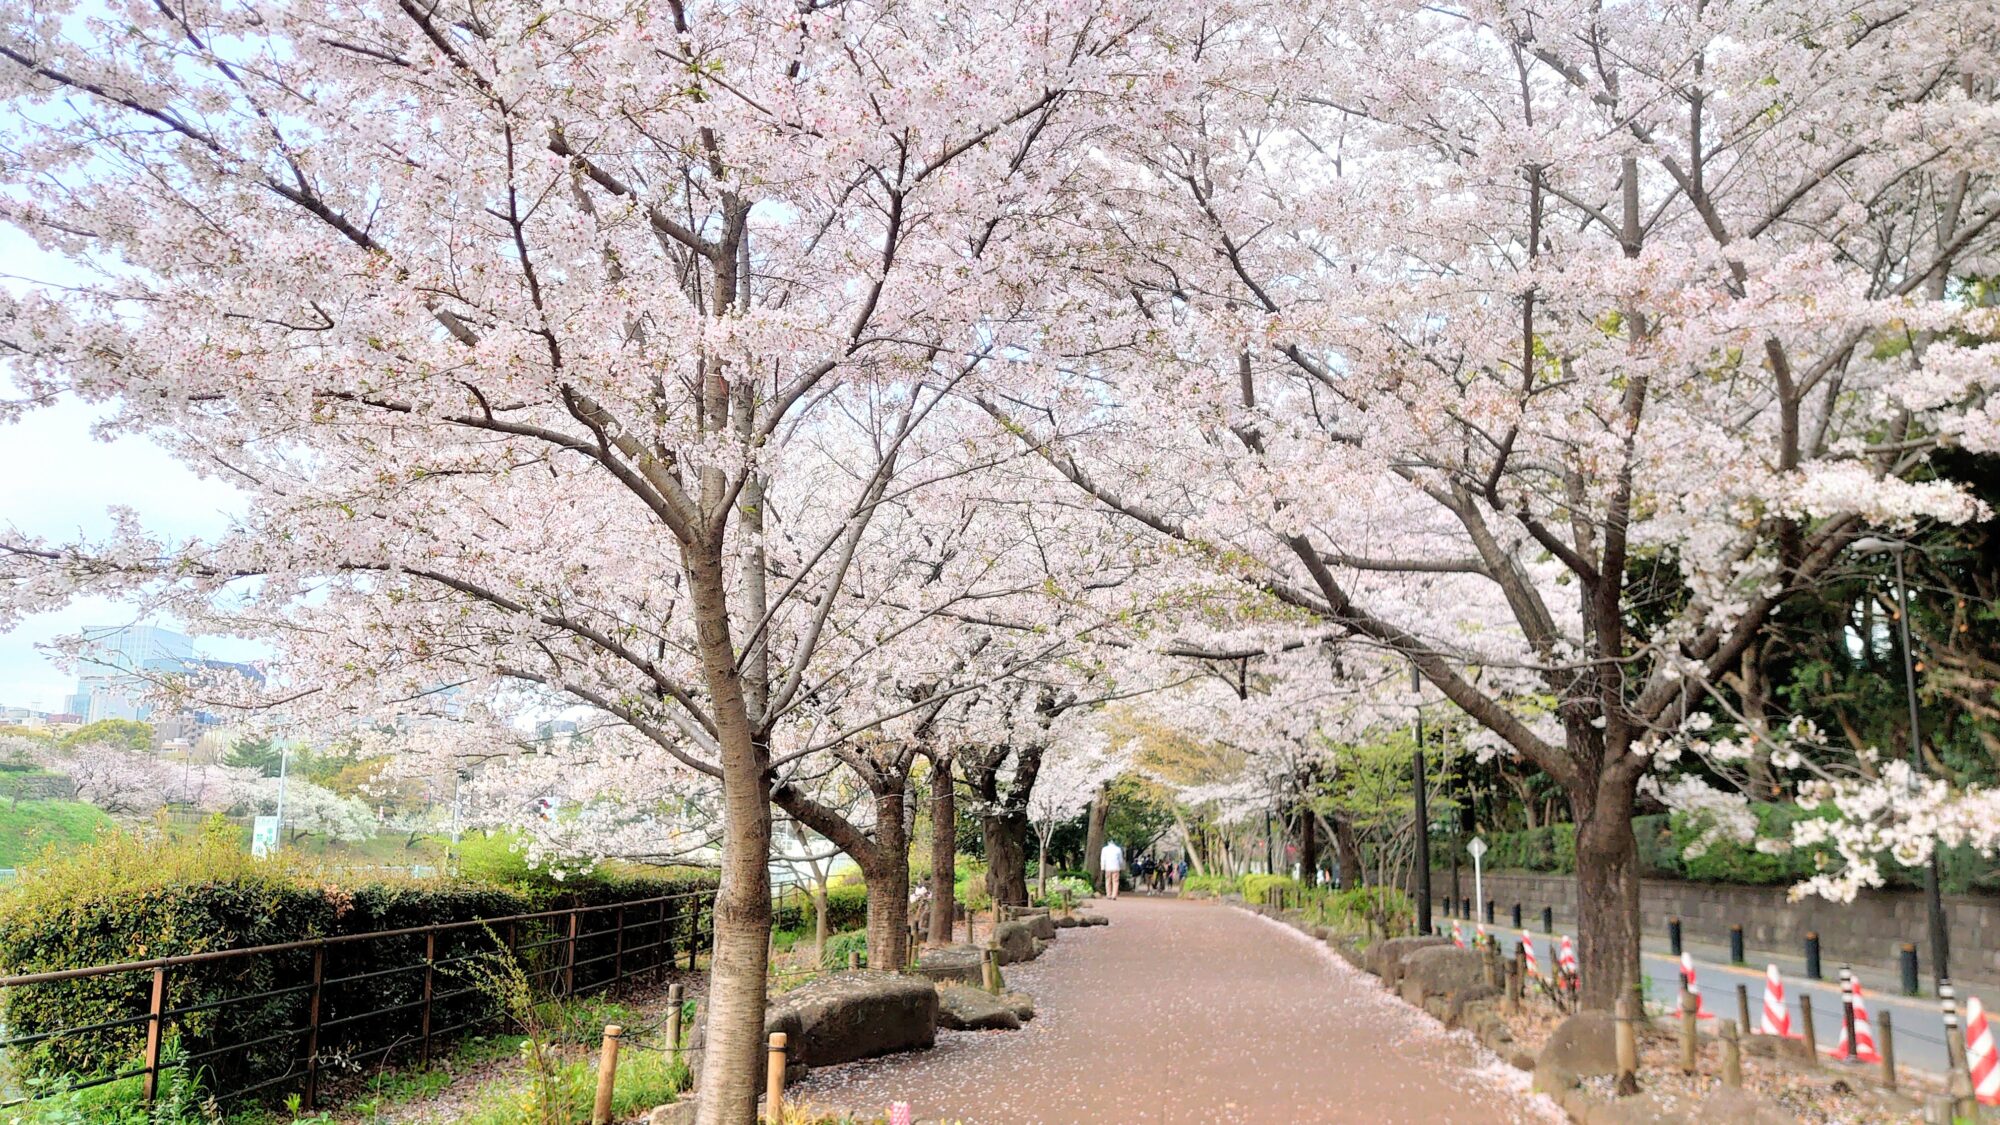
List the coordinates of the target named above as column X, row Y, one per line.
column 1112, row 859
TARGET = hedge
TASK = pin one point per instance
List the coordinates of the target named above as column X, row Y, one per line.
column 846, row 909
column 130, row 899
column 1664, row 839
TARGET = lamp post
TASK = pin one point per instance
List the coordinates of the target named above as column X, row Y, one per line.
column 1940, row 937
column 1423, row 813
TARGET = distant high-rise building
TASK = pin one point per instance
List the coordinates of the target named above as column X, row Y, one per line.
column 118, row 664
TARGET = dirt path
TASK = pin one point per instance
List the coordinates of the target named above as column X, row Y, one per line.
column 1190, row 1012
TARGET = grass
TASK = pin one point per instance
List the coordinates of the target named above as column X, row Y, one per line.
column 645, row 1079
column 27, row 828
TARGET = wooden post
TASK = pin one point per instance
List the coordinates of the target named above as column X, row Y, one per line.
column 1690, row 1003
column 1743, row 1024
column 1513, row 987
column 663, row 939
column 1811, row 1033
column 1886, row 1030
column 676, row 1001
column 607, row 1075
column 1626, row 1038
column 154, row 1031
column 774, row 1079
column 312, row 1025
column 853, row 960
column 1732, row 1055
column 618, row 952
column 569, row 953
column 430, row 982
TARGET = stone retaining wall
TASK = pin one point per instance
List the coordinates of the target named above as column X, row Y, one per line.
column 1868, row 931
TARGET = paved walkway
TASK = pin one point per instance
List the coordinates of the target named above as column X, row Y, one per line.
column 1194, row 1012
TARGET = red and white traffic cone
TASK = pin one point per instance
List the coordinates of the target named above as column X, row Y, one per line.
column 1528, row 949
column 1980, row 1055
column 1777, row 1018
column 1864, row 1036
column 1457, row 937
column 1688, row 982
column 1566, row 957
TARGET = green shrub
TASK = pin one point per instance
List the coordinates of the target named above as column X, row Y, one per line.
column 129, row 898
column 1255, row 887
column 846, row 908
column 1384, row 910
column 1203, row 886
column 834, row 956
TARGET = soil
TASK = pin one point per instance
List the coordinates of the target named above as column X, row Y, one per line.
column 1193, row 1012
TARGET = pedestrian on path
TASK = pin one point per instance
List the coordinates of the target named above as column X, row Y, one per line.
column 1112, row 859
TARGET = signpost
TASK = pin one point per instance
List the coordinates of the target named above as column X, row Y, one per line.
column 1475, row 849
column 264, row 837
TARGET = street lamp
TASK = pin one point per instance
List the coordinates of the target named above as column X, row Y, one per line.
column 1940, row 937
column 1422, row 811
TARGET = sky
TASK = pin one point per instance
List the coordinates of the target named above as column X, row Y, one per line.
column 56, row 482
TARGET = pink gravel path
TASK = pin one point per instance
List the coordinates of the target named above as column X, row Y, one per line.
column 1191, row 1012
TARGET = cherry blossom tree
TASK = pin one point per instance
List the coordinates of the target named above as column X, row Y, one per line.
column 512, row 323
column 1074, row 773
column 1551, row 347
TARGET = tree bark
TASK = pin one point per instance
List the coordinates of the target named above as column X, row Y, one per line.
column 735, row 1030
column 1308, row 846
column 944, row 850
column 1607, row 892
column 1347, row 854
column 886, row 869
column 1093, row 837
column 1006, row 838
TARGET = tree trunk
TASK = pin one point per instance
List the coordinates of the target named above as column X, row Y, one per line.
column 1347, row 854
column 819, row 921
column 1308, row 846
column 1093, row 837
column 1189, row 845
column 734, row 1043
column 944, row 851
column 886, row 870
column 1607, row 893
column 1006, row 857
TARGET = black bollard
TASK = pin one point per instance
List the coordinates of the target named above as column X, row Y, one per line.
column 1736, row 945
column 1489, row 911
column 1517, row 915
column 1674, row 935
column 1910, row 969
column 1548, row 920
column 1812, row 955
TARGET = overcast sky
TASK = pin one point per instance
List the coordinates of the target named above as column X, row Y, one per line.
column 57, row 480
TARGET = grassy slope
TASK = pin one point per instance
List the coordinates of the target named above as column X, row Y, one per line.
column 27, row 827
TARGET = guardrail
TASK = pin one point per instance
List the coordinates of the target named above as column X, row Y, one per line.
column 323, row 1015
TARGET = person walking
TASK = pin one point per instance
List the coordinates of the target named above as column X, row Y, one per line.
column 1112, row 859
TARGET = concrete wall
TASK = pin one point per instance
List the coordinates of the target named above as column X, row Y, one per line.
column 1870, row 930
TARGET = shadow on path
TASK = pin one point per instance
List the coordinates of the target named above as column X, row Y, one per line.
column 1194, row 1012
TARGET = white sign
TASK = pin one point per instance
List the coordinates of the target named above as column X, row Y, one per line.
column 1476, row 848
column 264, row 836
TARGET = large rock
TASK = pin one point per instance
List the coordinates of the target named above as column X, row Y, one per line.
column 1066, row 921
column 1741, row 1107
column 1385, row 958
column 1442, row 971
column 675, row 1113
column 959, row 963
column 1022, row 1004
column 1583, row 1046
column 1016, row 941
column 847, row 1016
column 1093, row 920
column 1041, row 925
column 961, row 1008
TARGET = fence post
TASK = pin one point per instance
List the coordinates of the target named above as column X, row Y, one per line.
column 618, row 954
column 430, row 974
column 774, row 1079
column 569, row 952
column 1886, row 1029
column 1690, row 1003
column 1847, row 1014
column 663, row 942
column 1806, row 1025
column 312, row 1025
column 676, row 1001
column 694, row 930
column 1626, row 1042
column 607, row 1075
column 154, row 1031
column 1743, row 1009
column 1732, row 1055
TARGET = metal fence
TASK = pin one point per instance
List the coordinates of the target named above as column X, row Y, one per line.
column 273, row 1019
